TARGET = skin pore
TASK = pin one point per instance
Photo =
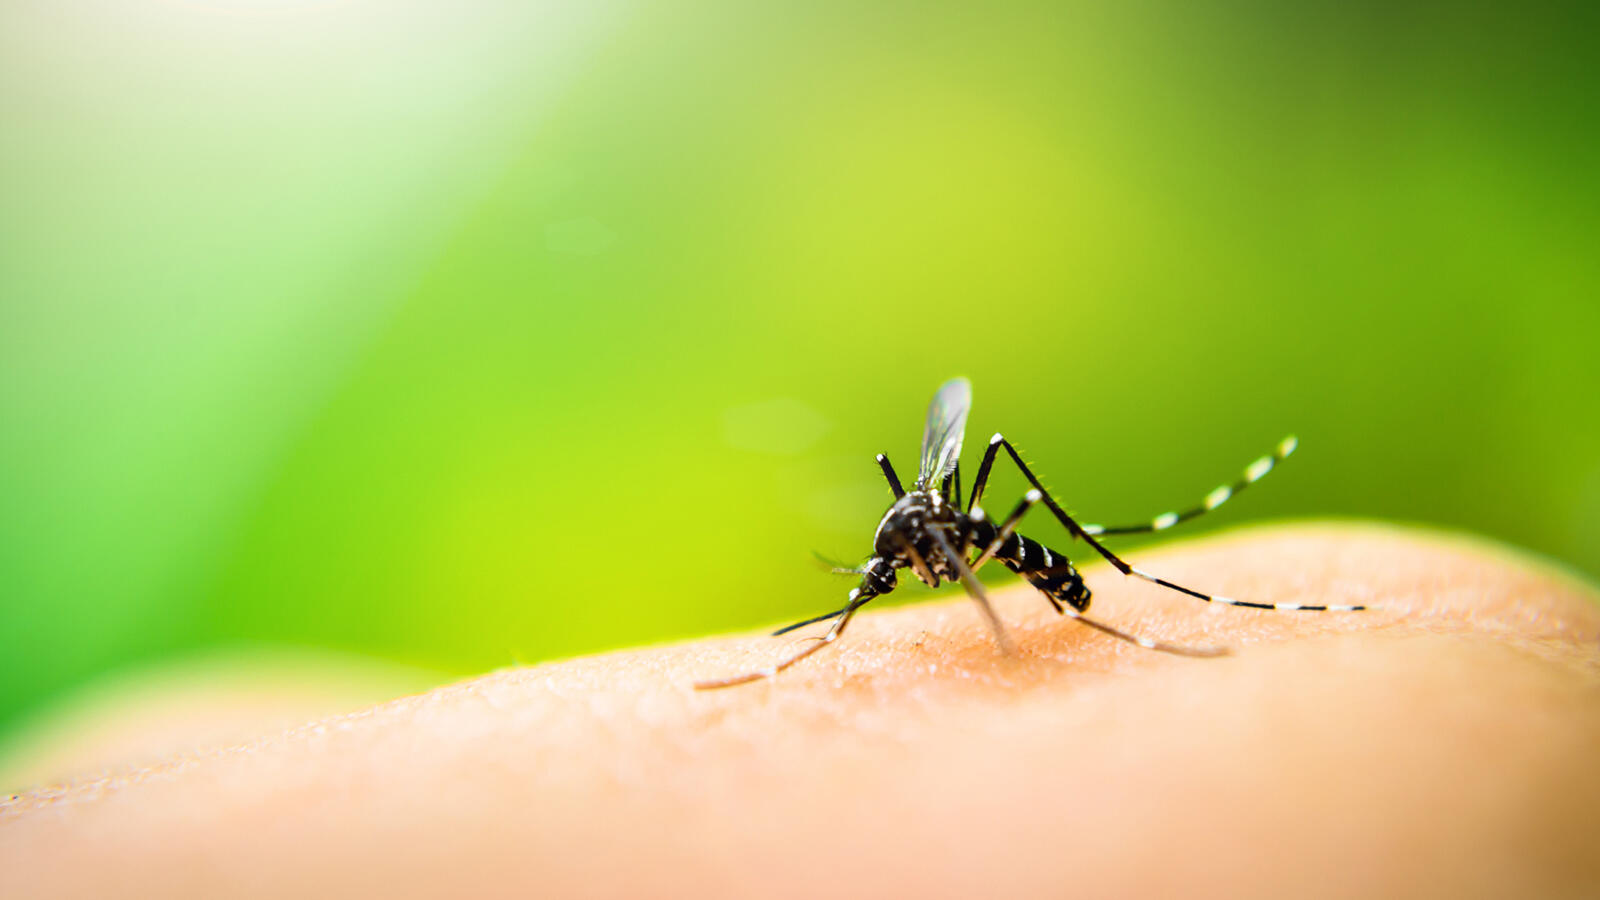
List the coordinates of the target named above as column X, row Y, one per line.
column 1444, row 743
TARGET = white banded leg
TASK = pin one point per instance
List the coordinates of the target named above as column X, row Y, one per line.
column 1046, row 564
column 1252, row 474
column 1257, row 469
column 1229, row 601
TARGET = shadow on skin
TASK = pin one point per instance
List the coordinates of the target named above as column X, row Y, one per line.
column 1443, row 744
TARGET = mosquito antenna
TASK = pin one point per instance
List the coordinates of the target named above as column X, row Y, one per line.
column 836, row 567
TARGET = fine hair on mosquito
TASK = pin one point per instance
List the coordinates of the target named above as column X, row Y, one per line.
column 930, row 532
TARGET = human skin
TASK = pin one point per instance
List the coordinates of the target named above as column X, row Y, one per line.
column 1446, row 743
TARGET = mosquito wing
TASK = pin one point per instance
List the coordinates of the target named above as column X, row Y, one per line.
column 941, row 437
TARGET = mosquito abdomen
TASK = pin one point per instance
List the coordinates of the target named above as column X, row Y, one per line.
column 1045, row 569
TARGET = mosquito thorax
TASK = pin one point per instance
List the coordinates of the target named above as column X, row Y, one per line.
column 908, row 521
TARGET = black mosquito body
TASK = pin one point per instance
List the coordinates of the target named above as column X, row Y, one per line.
column 928, row 531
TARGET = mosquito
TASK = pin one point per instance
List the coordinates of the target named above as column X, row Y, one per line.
column 928, row 531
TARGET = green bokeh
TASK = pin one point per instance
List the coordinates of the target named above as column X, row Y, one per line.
column 466, row 334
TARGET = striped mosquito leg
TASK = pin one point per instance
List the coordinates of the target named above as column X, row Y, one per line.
column 1229, row 601
column 1055, row 577
column 1252, row 473
column 1118, row 562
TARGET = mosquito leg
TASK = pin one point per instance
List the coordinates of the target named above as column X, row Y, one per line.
column 919, row 565
column 1147, row 643
column 982, row 481
column 952, row 487
column 1007, row 528
column 975, row 591
column 824, row 641
column 975, row 523
column 1252, row 473
column 833, row 615
column 1050, row 575
column 888, row 472
column 1123, row 567
column 877, row 579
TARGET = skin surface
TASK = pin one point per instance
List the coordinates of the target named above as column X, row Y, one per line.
column 1447, row 744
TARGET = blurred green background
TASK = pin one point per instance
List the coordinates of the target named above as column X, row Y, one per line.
column 463, row 334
